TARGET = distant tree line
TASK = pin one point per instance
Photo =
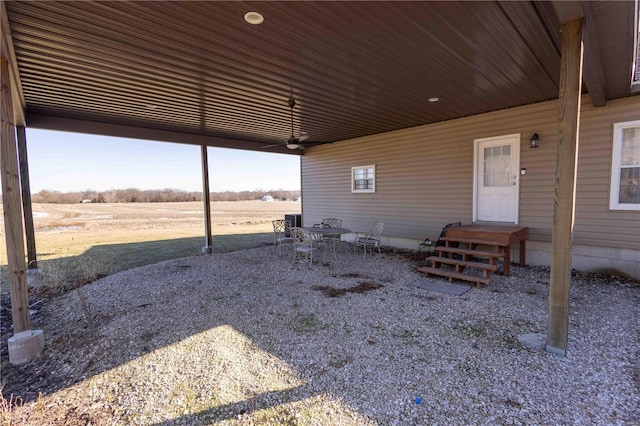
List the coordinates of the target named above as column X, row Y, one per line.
column 133, row 195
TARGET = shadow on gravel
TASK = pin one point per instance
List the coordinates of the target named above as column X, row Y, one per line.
column 62, row 275
column 232, row 411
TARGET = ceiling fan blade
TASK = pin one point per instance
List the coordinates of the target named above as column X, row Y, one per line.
column 314, row 143
column 272, row 145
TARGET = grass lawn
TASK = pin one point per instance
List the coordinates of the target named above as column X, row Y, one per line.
column 79, row 243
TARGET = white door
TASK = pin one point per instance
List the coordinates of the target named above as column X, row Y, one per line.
column 496, row 185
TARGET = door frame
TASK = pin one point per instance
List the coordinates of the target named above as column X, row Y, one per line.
column 516, row 139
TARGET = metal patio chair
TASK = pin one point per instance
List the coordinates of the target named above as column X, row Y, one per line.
column 369, row 239
column 304, row 244
column 332, row 240
column 281, row 228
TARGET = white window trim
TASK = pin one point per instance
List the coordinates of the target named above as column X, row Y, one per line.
column 636, row 60
column 614, row 191
column 353, row 180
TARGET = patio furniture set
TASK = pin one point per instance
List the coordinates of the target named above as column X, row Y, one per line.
column 326, row 235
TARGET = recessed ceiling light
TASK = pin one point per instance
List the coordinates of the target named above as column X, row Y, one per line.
column 434, row 99
column 254, row 18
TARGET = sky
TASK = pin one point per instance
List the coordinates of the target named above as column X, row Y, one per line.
column 73, row 162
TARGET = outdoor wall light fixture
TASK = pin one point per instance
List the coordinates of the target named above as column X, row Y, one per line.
column 534, row 142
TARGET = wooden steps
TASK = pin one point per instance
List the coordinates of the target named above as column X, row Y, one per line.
column 467, row 259
column 502, row 237
column 468, row 254
column 451, row 275
column 460, row 265
column 476, row 241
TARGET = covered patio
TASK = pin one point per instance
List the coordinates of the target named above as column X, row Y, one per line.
column 220, row 74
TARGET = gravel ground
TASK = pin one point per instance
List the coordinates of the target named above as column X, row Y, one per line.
column 250, row 338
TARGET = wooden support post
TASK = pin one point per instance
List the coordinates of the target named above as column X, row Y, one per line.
column 12, row 204
column 206, row 196
column 565, row 186
column 27, row 211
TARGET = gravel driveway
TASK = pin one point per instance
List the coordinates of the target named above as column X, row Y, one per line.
column 249, row 338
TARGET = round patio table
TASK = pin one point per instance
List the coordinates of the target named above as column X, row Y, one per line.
column 327, row 231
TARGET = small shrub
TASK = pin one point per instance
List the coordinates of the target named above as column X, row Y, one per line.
column 305, row 323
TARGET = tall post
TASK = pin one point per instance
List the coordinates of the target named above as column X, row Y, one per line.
column 565, row 186
column 12, row 204
column 27, row 211
column 208, row 248
column 25, row 343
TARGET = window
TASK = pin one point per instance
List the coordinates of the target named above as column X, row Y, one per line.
column 363, row 179
column 625, row 167
column 497, row 166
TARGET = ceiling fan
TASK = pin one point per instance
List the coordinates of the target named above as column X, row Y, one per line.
column 292, row 142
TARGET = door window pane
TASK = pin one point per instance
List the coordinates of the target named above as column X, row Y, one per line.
column 497, row 166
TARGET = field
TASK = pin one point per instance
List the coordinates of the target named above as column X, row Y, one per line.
column 77, row 243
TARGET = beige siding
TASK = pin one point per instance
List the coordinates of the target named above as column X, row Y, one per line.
column 424, row 175
column 595, row 224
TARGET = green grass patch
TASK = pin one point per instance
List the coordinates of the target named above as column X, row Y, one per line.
column 305, row 323
column 80, row 261
column 470, row 330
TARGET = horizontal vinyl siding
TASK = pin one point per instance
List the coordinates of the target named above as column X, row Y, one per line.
column 595, row 223
column 412, row 199
column 424, row 175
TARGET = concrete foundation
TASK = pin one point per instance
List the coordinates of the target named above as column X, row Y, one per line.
column 538, row 342
column 207, row 250
column 33, row 277
column 556, row 351
column 25, row 346
column 533, row 341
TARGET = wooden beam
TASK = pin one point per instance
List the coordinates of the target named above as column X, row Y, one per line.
column 569, row 11
column 565, row 186
column 27, row 211
column 592, row 69
column 9, row 54
column 206, row 197
column 82, row 125
column 12, row 204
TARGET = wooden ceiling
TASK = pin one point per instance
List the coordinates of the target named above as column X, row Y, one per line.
column 196, row 72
